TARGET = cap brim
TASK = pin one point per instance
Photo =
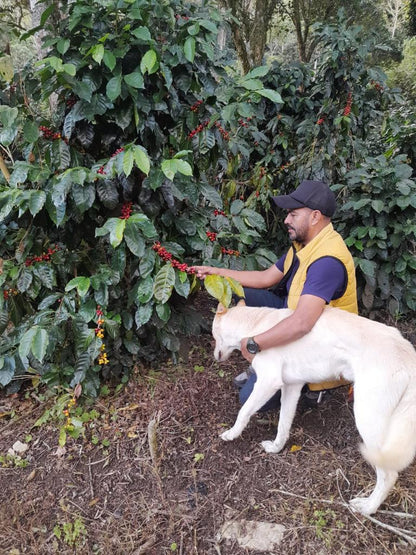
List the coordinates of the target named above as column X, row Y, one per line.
column 287, row 202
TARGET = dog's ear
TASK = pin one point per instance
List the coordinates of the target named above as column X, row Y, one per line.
column 241, row 302
column 221, row 309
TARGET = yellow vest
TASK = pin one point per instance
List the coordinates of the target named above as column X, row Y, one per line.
column 327, row 243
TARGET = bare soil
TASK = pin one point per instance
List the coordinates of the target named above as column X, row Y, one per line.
column 151, row 475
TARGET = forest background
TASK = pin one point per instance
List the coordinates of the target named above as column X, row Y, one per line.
column 138, row 138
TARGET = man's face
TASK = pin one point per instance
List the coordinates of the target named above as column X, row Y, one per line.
column 298, row 223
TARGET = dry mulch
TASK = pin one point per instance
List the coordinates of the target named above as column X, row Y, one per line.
column 159, row 480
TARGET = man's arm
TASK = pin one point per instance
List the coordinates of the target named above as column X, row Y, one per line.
column 294, row 327
column 260, row 279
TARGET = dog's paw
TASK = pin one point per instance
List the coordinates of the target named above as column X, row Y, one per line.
column 363, row 505
column 228, row 435
column 270, row 447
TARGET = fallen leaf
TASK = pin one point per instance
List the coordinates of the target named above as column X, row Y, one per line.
column 295, row 448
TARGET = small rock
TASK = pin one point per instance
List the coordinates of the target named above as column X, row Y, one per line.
column 251, row 534
column 19, row 448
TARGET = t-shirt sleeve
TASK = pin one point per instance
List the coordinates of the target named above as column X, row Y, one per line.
column 280, row 263
column 326, row 278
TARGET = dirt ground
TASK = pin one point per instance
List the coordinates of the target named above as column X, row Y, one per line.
column 151, row 475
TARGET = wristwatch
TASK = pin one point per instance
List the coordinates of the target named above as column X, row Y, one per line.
column 252, row 347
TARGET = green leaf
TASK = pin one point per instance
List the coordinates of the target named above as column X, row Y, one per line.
column 142, row 159
column 274, row 96
column 252, row 84
column 46, row 274
column 37, row 201
column 134, row 80
column 70, row 69
column 236, row 287
column 142, row 33
column 377, row 205
column 164, row 282
column 260, row 71
column 26, row 343
column 143, row 314
column 134, row 240
column 208, row 25
column 63, row 45
column 189, row 49
column 147, row 263
column 219, row 288
column 149, row 63
column 145, row 290
column 24, row 281
column 128, row 161
column 163, row 311
column 40, row 344
column 7, row 370
column 115, row 227
column 109, row 60
column 367, row 266
column 174, row 165
column 97, row 53
column 81, row 283
column 31, row 131
column 113, row 88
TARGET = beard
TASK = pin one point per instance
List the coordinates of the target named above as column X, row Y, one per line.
column 297, row 235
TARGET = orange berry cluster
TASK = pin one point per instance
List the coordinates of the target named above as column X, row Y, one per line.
column 126, row 211
column 48, row 133
column 347, row 109
column 212, row 236
column 67, row 412
column 46, row 257
column 195, row 107
column 244, row 123
column 321, row 120
column 198, row 129
column 167, row 256
column 71, row 101
column 99, row 332
column 225, row 135
column 9, row 293
column 376, row 85
column 230, row 252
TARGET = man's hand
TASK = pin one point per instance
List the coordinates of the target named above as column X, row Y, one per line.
column 203, row 271
column 243, row 346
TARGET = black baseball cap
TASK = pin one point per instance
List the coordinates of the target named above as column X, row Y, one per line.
column 312, row 194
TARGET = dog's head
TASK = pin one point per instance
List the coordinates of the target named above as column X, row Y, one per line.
column 224, row 333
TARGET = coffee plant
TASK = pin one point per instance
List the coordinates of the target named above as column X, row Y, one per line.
column 133, row 150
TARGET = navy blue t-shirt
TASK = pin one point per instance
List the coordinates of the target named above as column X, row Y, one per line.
column 326, row 278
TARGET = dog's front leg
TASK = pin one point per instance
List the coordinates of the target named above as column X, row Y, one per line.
column 288, row 403
column 263, row 390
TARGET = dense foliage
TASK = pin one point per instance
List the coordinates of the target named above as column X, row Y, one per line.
column 156, row 156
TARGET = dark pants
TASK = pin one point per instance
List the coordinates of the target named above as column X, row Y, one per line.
column 260, row 297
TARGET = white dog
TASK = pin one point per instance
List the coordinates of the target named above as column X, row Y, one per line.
column 376, row 357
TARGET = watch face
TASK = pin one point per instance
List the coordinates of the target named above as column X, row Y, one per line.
column 252, row 347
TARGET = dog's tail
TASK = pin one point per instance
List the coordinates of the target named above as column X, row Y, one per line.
column 399, row 447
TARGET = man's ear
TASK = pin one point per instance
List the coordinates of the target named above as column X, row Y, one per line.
column 221, row 309
column 241, row 302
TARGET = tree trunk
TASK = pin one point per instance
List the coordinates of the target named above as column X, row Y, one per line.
column 249, row 27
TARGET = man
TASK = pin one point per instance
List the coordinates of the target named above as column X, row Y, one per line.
column 317, row 270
